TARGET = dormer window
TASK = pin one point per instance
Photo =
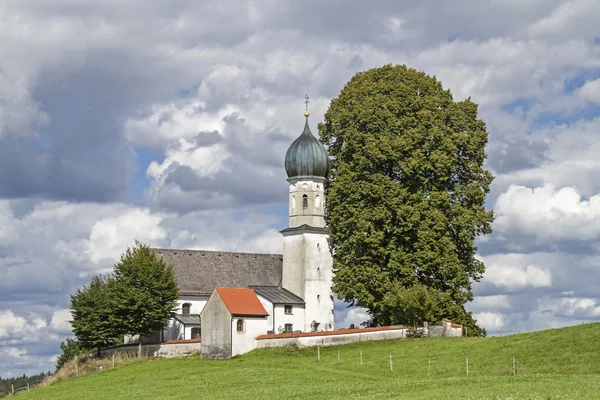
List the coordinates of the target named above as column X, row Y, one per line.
column 185, row 308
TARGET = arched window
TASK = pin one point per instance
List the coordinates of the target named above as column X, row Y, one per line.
column 185, row 308
column 317, row 201
column 240, row 325
column 293, row 203
column 196, row 333
column 304, row 201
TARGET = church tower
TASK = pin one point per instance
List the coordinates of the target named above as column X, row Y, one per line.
column 307, row 261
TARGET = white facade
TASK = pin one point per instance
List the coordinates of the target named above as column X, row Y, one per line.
column 245, row 341
column 307, row 262
column 278, row 317
column 197, row 303
column 307, row 202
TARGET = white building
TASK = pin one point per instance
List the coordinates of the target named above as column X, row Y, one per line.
column 294, row 288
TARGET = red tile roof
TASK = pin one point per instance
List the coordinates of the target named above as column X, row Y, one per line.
column 242, row 302
column 327, row 333
column 195, row 340
column 452, row 324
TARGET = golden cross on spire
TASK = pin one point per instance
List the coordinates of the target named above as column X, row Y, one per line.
column 306, row 113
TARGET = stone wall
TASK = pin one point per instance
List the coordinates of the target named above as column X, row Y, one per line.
column 179, row 348
column 447, row 329
column 331, row 338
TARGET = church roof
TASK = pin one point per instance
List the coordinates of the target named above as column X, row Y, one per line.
column 191, row 319
column 277, row 295
column 200, row 271
column 306, row 157
column 242, row 302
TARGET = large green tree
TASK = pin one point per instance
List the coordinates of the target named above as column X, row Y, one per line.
column 406, row 190
column 146, row 293
column 91, row 308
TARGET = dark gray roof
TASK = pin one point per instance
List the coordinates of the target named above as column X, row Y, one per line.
column 201, row 271
column 303, row 229
column 306, row 156
column 192, row 319
column 277, row 295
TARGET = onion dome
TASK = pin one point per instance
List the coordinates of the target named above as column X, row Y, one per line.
column 306, row 157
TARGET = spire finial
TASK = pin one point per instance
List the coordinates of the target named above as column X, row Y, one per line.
column 306, row 113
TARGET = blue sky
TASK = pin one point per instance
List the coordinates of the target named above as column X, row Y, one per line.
column 168, row 123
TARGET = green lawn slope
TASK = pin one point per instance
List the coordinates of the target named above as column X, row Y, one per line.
column 552, row 364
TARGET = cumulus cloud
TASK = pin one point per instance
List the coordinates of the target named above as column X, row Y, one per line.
column 547, row 213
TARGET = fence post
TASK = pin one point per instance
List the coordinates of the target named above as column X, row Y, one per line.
column 318, row 353
column 12, row 388
column 513, row 329
column 113, row 359
column 27, row 385
column 361, row 357
column 77, row 366
column 500, row 331
column 467, row 366
column 429, row 367
column 338, row 355
column 514, row 367
column 391, row 365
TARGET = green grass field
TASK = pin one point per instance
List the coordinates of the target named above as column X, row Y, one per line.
column 553, row 364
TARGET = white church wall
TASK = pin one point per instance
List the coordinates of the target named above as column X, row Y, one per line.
column 269, row 308
column 243, row 342
column 197, row 303
column 296, row 318
column 318, row 274
column 293, row 261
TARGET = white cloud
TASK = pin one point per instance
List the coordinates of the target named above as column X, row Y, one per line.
column 573, row 307
column 590, row 91
column 489, row 320
column 60, row 321
column 511, row 275
column 110, row 236
column 12, row 326
column 548, row 214
column 354, row 315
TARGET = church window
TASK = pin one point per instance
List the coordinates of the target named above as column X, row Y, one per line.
column 195, row 333
column 288, row 328
column 304, row 201
column 185, row 308
column 240, row 325
column 317, row 201
column 288, row 309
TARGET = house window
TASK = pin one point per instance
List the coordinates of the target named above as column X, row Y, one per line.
column 240, row 325
column 185, row 308
column 304, row 201
column 195, row 333
column 288, row 309
column 288, row 328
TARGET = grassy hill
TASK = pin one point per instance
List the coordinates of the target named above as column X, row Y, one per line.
column 557, row 363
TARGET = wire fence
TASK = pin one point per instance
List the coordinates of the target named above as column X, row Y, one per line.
column 438, row 365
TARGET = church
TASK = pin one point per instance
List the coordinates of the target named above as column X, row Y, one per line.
column 228, row 299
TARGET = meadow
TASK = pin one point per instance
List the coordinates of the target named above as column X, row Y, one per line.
column 552, row 364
